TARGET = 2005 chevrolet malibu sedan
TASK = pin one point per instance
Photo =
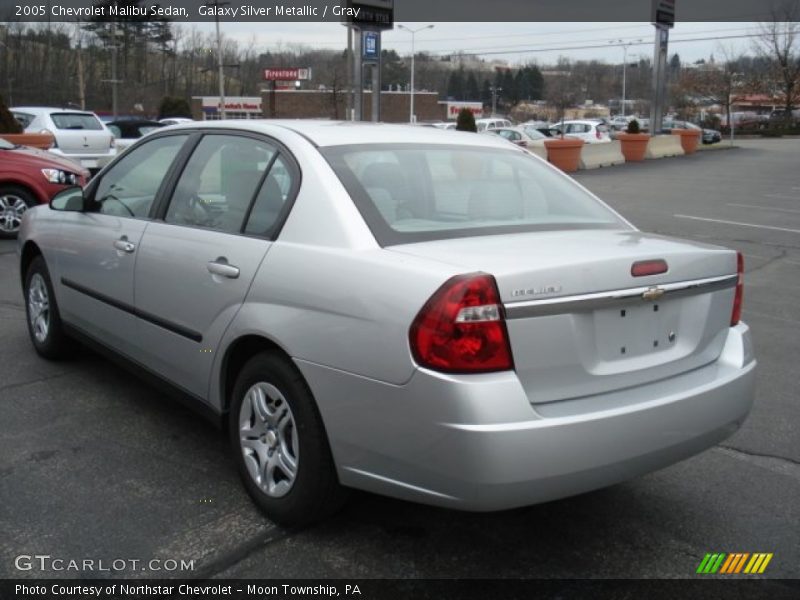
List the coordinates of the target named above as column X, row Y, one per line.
column 435, row 316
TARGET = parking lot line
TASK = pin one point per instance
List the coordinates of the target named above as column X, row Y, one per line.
column 736, row 223
column 781, row 196
column 788, row 210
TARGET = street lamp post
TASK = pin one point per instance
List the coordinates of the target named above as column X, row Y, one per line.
column 413, row 33
column 625, row 46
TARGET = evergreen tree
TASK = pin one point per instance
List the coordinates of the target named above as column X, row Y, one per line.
column 466, row 121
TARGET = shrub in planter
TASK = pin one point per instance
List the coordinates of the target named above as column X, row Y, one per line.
column 564, row 153
column 633, row 143
column 690, row 139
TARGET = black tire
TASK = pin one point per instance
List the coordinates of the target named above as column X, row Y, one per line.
column 54, row 344
column 12, row 194
column 315, row 492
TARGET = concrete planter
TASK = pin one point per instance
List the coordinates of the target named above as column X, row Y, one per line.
column 43, row 141
column 634, row 145
column 564, row 153
column 690, row 139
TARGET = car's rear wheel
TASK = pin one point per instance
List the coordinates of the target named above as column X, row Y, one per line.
column 14, row 201
column 44, row 321
column 280, row 445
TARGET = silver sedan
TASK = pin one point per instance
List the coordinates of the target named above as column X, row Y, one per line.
column 434, row 316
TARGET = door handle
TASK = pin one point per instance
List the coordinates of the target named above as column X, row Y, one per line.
column 123, row 245
column 222, row 268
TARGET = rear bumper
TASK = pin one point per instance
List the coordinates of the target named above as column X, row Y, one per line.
column 476, row 443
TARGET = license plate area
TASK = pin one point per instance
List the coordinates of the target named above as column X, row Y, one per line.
column 636, row 329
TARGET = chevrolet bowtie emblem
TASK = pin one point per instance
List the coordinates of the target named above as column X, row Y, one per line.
column 653, row 293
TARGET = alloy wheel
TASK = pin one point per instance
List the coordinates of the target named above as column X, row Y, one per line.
column 12, row 207
column 39, row 307
column 268, row 439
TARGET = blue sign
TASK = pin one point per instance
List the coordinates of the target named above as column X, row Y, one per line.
column 371, row 46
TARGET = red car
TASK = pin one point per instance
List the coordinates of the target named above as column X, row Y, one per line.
column 29, row 177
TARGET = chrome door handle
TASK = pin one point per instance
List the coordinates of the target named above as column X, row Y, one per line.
column 124, row 245
column 223, row 269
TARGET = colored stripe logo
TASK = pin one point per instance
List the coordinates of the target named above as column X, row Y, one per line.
column 734, row 563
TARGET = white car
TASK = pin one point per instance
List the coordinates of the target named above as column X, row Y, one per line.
column 79, row 135
column 525, row 137
column 493, row 123
column 591, row 132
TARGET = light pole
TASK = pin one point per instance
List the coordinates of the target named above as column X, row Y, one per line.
column 494, row 90
column 625, row 45
column 413, row 33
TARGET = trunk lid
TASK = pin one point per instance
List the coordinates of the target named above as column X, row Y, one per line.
column 577, row 318
column 78, row 133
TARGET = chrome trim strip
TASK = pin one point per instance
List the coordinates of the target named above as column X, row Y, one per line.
column 586, row 302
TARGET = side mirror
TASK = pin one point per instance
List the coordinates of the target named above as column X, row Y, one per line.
column 70, row 199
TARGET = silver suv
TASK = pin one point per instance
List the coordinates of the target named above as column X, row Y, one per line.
column 79, row 135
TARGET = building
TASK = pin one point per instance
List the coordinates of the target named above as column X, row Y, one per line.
column 318, row 104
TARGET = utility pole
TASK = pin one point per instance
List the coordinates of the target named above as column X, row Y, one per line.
column 625, row 46
column 81, row 83
column 220, row 66
column 114, row 81
column 412, row 117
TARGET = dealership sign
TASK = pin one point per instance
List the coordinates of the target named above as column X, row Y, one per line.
column 286, row 74
column 453, row 108
column 233, row 104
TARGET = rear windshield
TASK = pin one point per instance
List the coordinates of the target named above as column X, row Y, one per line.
column 409, row 193
column 75, row 121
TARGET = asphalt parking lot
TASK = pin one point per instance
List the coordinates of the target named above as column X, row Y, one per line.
column 95, row 464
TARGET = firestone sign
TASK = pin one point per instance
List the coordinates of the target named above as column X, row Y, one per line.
column 286, row 74
column 453, row 108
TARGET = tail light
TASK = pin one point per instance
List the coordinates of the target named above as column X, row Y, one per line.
column 461, row 329
column 736, row 314
column 598, row 134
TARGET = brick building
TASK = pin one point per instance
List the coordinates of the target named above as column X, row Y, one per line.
column 318, row 104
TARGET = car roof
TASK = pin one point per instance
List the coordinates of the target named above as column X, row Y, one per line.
column 49, row 109
column 340, row 133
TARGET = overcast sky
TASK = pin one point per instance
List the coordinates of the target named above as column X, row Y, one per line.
column 514, row 42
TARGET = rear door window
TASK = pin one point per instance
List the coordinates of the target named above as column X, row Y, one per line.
column 219, row 183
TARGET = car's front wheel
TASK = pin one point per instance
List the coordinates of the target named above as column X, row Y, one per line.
column 14, row 201
column 44, row 321
column 280, row 445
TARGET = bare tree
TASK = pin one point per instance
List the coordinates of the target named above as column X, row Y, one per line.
column 778, row 41
column 713, row 82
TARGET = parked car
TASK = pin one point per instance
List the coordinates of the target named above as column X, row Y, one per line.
column 424, row 314
column 620, row 123
column 446, row 125
column 29, row 177
column 709, row 136
column 128, row 131
column 591, row 132
column 175, row 120
column 79, row 135
column 520, row 136
column 491, row 123
column 542, row 127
